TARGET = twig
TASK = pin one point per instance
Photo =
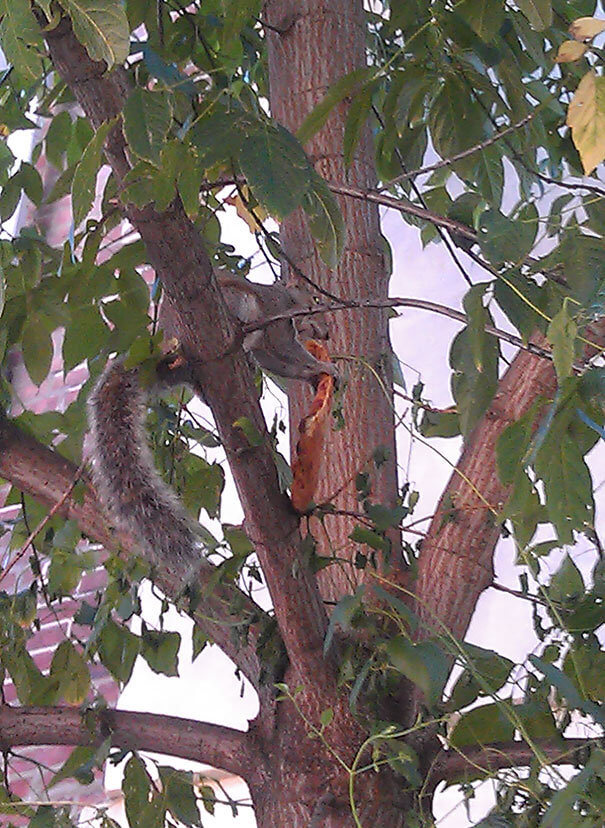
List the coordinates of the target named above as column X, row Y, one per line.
column 449, row 246
column 446, row 162
column 422, row 304
column 53, row 511
column 518, row 594
column 404, row 207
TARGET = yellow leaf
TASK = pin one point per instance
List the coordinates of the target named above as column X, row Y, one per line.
column 585, row 28
column 570, row 50
column 251, row 219
column 586, row 117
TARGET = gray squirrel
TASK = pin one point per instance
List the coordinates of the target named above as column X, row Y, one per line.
column 123, row 470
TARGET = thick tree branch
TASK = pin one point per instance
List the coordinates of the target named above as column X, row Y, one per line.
column 455, row 564
column 46, row 476
column 216, row 745
column 451, row 765
column 177, row 254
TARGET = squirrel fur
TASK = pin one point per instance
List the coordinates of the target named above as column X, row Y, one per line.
column 124, row 473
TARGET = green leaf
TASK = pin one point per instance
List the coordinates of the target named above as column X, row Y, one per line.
column 45, row 817
column 276, row 167
column 489, row 175
column 235, row 14
column 21, row 39
column 101, row 27
column 71, row 670
column 79, row 765
column 346, row 610
column 567, row 582
column 482, row 725
column 567, row 689
column 325, row 221
column 30, row 180
column 57, row 137
column 136, row 787
column 147, row 121
column 424, row 663
column 359, row 111
column 37, row 347
column 503, row 239
column 204, row 483
column 160, row 650
column 252, row 434
column 585, row 665
column 538, row 12
column 217, row 136
column 177, row 786
column 85, row 336
column 343, row 88
column 440, row 424
column 478, row 318
column 484, row 16
column 384, row 517
column 485, row 673
column 118, row 649
column 561, row 334
column 31, row 685
column 326, row 717
column 237, row 539
column 512, row 446
column 567, row 485
column 456, row 120
column 361, row 534
column 473, row 387
column 83, row 188
column 518, row 296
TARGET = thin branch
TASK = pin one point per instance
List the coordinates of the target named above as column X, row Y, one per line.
column 377, row 197
column 53, row 511
column 404, row 207
column 518, row 593
column 449, row 246
column 446, row 162
column 452, row 764
column 395, row 301
column 216, row 745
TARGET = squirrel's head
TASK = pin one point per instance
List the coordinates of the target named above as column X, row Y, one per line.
column 313, row 326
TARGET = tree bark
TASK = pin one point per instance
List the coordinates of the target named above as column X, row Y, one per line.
column 216, row 745
column 317, row 43
column 456, row 561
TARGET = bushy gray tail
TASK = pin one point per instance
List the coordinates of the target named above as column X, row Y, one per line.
column 125, row 475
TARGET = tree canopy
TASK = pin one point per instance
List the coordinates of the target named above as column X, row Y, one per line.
column 483, row 124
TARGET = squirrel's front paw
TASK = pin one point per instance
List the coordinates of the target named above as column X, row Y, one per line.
column 330, row 369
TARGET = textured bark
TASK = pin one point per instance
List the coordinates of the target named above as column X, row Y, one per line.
column 322, row 41
column 223, row 747
column 451, row 765
column 456, row 561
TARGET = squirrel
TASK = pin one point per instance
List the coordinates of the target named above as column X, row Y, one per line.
column 123, row 470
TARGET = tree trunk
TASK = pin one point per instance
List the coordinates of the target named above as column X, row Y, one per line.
column 319, row 43
column 307, row 788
